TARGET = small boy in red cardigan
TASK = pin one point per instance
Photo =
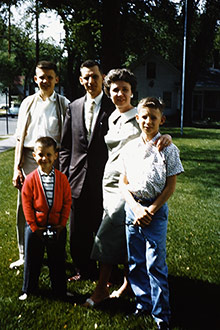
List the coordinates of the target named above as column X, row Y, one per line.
column 46, row 201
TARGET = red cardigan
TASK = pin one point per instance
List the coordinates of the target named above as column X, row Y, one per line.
column 35, row 204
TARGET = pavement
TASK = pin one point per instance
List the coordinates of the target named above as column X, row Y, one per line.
column 7, row 142
column 7, row 131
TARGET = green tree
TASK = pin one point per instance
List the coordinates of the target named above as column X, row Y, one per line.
column 22, row 58
column 216, row 50
column 119, row 32
column 82, row 36
column 201, row 34
column 115, row 32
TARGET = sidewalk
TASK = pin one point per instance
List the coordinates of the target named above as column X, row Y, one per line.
column 7, row 142
column 7, row 131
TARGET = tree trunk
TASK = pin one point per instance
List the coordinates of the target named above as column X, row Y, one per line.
column 111, row 50
column 197, row 52
column 70, row 88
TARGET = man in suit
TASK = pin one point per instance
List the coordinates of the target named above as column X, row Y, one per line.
column 82, row 158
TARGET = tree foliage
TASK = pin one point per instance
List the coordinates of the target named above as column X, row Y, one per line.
column 119, row 32
column 18, row 48
column 201, row 34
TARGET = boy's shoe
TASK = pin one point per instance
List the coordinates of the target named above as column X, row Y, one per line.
column 138, row 313
column 141, row 312
column 23, row 297
column 163, row 326
column 17, row 263
column 69, row 294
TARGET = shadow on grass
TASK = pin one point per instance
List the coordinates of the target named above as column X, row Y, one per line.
column 194, row 304
column 191, row 133
column 202, row 165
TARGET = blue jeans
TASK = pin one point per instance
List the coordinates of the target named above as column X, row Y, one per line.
column 148, row 272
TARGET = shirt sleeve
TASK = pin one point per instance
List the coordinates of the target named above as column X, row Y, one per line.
column 173, row 162
column 21, row 119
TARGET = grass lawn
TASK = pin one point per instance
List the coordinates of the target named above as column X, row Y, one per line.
column 192, row 254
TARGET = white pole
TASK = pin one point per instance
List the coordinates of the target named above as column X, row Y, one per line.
column 184, row 67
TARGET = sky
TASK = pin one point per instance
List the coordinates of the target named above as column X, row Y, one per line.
column 53, row 27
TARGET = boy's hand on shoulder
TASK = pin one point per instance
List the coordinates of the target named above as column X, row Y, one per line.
column 143, row 216
column 163, row 141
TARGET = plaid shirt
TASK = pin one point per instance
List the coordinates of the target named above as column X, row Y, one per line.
column 147, row 169
column 48, row 181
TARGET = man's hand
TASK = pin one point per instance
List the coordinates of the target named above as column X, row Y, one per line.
column 18, row 179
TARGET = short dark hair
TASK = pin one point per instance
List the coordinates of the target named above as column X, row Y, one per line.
column 47, row 141
column 90, row 64
column 119, row 75
column 152, row 102
column 47, row 65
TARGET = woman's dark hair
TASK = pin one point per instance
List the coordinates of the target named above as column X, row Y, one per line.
column 119, row 75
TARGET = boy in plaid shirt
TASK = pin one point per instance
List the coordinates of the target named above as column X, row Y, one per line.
column 148, row 180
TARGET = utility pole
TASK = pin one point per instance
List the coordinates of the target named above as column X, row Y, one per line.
column 8, row 90
column 37, row 31
column 184, row 67
column 9, row 47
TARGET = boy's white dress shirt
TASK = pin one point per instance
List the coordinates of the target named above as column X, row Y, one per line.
column 44, row 120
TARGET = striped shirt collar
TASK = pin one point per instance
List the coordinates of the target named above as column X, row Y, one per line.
column 52, row 173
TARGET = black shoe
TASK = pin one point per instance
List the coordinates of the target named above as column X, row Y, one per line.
column 140, row 312
column 163, row 326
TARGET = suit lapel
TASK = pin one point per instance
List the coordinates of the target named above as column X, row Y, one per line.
column 80, row 114
column 101, row 116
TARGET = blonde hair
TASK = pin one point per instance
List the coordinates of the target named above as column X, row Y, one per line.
column 152, row 102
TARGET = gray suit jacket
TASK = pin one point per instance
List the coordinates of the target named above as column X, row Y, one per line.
column 78, row 157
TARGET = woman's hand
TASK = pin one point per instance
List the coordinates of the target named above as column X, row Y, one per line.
column 163, row 141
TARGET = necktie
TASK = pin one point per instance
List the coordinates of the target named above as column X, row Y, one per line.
column 89, row 118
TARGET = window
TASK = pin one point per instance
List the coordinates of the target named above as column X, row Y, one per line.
column 167, row 98
column 151, row 70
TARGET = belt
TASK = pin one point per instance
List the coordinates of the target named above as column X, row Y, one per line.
column 143, row 200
